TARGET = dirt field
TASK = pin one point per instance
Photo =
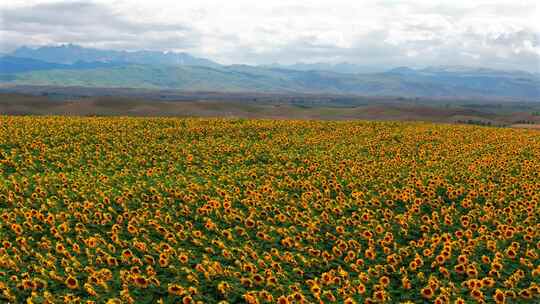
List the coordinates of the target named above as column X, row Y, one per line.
column 527, row 126
column 306, row 107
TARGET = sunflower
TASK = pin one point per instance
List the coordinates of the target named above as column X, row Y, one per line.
column 183, row 258
column 360, row 288
column 384, row 281
column 176, row 289
column 298, row 297
column 272, row 280
column 266, row 296
column 223, row 287
column 370, row 254
column 380, row 295
column 472, row 272
column 163, row 262
column 477, row 294
column 127, row 254
column 499, row 296
column 71, row 282
column 526, row 294
column 141, row 282
column 91, row 242
column 246, row 282
column 112, row 261
column 460, row 269
column 258, row 279
column 459, row 301
column 427, row 292
column 28, row 284
column 250, row 223
column 329, row 296
column 488, row 282
column 60, row 248
column 349, row 300
column 132, row 229
column 283, row 300
column 187, row 300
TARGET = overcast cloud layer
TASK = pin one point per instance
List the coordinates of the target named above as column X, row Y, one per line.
column 495, row 33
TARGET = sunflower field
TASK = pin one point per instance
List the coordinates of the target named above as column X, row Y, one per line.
column 166, row 210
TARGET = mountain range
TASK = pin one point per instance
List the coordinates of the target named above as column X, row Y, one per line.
column 340, row 67
column 70, row 53
column 72, row 65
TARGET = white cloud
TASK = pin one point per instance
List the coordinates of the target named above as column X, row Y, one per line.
column 499, row 33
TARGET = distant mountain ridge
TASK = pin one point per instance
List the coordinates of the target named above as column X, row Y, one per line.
column 76, row 66
column 461, row 70
column 69, row 54
column 341, row 67
column 10, row 64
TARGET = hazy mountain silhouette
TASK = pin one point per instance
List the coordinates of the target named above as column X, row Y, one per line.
column 74, row 65
column 69, row 53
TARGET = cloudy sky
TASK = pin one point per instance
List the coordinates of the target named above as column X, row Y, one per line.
column 495, row 33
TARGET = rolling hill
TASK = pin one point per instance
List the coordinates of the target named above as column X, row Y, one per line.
column 254, row 79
